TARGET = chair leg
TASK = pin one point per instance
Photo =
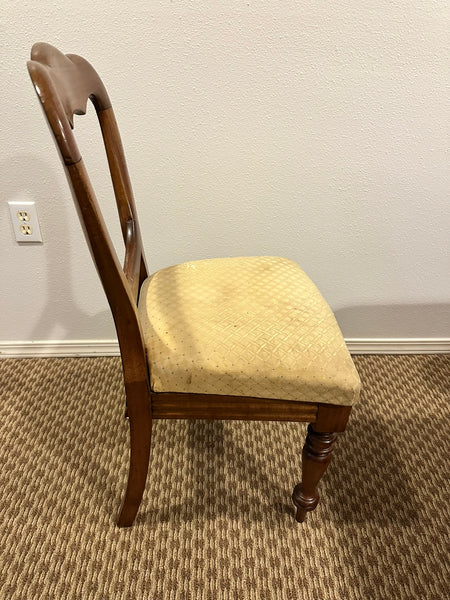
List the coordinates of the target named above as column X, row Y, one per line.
column 316, row 457
column 331, row 420
column 140, row 419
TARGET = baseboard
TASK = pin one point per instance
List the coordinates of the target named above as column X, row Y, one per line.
column 59, row 348
column 398, row 345
column 72, row 348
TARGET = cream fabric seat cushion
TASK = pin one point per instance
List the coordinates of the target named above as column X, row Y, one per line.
column 252, row 326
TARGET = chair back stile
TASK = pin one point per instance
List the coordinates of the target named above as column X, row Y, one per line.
column 64, row 83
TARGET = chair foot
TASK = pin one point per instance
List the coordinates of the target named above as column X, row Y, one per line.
column 316, row 457
column 300, row 515
column 303, row 502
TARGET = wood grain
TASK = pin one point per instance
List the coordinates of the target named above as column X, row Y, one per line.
column 206, row 406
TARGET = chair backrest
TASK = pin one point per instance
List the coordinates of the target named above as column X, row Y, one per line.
column 64, row 83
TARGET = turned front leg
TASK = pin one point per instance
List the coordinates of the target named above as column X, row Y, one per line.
column 316, row 457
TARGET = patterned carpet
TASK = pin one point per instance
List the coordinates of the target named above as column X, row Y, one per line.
column 216, row 521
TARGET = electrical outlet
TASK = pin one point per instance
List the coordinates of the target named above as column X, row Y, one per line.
column 25, row 221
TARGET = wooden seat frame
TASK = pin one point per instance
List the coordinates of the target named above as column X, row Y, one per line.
column 64, row 83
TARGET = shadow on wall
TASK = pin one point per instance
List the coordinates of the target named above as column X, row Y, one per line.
column 395, row 321
column 30, row 177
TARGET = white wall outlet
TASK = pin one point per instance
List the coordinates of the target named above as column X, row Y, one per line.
column 25, row 221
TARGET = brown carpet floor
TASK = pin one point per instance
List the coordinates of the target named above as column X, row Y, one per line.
column 216, row 522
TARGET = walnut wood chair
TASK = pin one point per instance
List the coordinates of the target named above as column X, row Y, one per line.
column 230, row 338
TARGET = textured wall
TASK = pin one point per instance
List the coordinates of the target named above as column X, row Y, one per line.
column 314, row 130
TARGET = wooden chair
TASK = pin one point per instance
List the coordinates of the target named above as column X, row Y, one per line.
column 234, row 338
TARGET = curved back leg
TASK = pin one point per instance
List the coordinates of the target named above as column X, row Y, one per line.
column 140, row 419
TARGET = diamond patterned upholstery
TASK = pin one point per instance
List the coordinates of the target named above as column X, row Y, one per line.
column 253, row 326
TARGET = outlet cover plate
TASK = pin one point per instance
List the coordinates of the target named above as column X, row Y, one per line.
column 25, row 222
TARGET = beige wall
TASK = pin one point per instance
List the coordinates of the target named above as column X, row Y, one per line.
column 315, row 130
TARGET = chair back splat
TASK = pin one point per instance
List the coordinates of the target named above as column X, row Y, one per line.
column 234, row 338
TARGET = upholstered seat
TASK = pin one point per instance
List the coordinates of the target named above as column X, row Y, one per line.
column 254, row 326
